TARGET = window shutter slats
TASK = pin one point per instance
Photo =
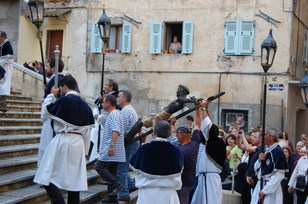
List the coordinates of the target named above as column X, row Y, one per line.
column 126, row 37
column 246, row 41
column 306, row 48
column 156, row 37
column 96, row 41
column 231, row 41
column 187, row 41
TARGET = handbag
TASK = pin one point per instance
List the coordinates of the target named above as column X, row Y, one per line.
column 300, row 181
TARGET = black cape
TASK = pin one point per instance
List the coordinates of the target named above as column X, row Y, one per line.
column 215, row 147
column 72, row 111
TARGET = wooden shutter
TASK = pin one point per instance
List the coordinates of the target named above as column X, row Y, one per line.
column 156, row 37
column 187, row 41
column 126, row 37
column 246, row 37
column 96, row 41
column 306, row 48
column 231, row 40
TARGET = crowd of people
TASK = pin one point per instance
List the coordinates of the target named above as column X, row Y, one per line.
column 184, row 163
column 279, row 171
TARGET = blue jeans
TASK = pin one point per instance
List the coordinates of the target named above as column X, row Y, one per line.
column 122, row 171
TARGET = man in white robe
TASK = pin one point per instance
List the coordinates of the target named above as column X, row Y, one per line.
column 159, row 165
column 63, row 165
column 211, row 156
column 271, row 166
column 47, row 132
column 6, row 59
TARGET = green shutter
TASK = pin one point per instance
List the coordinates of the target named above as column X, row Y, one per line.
column 231, row 40
column 246, row 37
column 96, row 41
column 187, row 41
column 126, row 37
column 156, row 37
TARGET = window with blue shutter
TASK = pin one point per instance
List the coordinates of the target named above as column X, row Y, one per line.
column 96, row 41
column 231, row 40
column 187, row 40
column 246, row 38
column 239, row 37
column 156, row 37
column 126, row 37
column 306, row 48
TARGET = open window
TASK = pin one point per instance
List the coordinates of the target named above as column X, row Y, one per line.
column 119, row 41
column 162, row 34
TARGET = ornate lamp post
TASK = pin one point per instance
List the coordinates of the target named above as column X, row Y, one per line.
column 303, row 86
column 104, row 26
column 36, row 8
column 268, row 51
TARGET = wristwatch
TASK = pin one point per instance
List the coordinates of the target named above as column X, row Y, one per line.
column 111, row 145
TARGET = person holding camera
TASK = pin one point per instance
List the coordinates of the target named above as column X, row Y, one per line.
column 299, row 179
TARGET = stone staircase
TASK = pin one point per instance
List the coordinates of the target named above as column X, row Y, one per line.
column 20, row 130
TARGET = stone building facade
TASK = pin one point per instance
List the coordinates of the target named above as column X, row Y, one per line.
column 220, row 52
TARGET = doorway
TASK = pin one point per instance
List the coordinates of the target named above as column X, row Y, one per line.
column 54, row 37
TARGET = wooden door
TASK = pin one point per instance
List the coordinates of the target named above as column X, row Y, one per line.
column 55, row 37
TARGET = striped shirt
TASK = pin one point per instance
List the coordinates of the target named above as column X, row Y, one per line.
column 114, row 123
column 130, row 117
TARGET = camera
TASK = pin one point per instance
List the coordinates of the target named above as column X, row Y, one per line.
column 240, row 132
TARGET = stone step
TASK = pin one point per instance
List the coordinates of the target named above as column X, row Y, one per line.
column 35, row 194
column 14, row 130
column 15, row 180
column 24, row 103
column 14, row 93
column 24, row 108
column 20, row 98
column 20, row 115
column 19, row 139
column 14, row 164
column 20, row 179
column 20, row 122
column 18, row 150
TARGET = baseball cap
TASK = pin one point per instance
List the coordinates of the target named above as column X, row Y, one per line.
column 184, row 129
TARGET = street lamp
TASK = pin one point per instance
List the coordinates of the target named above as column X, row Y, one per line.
column 303, row 86
column 36, row 8
column 104, row 26
column 268, row 51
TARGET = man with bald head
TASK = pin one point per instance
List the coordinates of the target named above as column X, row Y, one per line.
column 271, row 166
column 159, row 165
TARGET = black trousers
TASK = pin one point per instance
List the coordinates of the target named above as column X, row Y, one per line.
column 302, row 196
column 108, row 171
column 57, row 198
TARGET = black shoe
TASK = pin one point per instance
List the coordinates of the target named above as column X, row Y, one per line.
column 113, row 200
column 116, row 190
